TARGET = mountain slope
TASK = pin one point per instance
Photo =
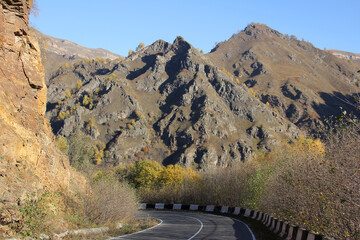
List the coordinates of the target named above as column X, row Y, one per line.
column 172, row 104
column 57, row 52
column 168, row 99
column 352, row 58
column 302, row 82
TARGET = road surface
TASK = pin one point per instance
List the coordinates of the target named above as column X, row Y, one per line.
column 191, row 226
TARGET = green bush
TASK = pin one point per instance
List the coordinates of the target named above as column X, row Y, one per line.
column 34, row 212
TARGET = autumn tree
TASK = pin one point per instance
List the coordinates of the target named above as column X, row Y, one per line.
column 78, row 84
column 140, row 46
column 143, row 174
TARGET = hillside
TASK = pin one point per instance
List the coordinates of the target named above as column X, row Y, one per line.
column 57, row 52
column 172, row 104
column 301, row 82
column 353, row 58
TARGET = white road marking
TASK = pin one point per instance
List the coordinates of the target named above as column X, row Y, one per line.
column 201, row 227
column 252, row 234
column 219, row 216
column 161, row 221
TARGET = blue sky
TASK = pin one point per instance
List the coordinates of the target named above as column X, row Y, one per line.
column 120, row 25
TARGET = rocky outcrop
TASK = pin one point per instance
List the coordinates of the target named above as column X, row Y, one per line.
column 170, row 103
column 166, row 102
column 297, row 80
column 30, row 161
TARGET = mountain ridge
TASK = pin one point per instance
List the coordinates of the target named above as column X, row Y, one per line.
column 171, row 103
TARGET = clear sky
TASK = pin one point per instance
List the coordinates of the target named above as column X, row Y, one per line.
column 120, row 25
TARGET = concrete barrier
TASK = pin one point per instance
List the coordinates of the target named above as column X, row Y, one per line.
column 279, row 227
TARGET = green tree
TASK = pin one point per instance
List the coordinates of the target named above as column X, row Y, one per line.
column 81, row 150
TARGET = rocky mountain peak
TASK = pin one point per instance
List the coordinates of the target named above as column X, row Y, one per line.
column 159, row 46
column 180, row 45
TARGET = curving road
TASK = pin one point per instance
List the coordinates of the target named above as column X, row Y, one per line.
column 188, row 226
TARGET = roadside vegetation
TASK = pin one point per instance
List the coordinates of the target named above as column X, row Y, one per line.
column 311, row 183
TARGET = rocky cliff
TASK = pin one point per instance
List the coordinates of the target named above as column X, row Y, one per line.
column 30, row 161
column 172, row 104
column 301, row 82
column 167, row 102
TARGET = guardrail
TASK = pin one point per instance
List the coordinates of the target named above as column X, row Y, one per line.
column 282, row 228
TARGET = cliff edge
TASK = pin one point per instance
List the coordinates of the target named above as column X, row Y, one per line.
column 30, row 162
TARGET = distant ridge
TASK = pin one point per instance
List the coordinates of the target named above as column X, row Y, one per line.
column 352, row 57
column 57, row 52
column 71, row 49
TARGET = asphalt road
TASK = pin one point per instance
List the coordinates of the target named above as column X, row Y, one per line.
column 188, row 226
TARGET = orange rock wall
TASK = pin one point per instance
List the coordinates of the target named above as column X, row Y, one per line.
column 29, row 158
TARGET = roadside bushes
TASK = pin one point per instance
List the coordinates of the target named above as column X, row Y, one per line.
column 147, row 174
column 319, row 191
column 109, row 201
column 310, row 183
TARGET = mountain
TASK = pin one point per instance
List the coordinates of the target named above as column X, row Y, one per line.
column 30, row 161
column 172, row 104
column 57, row 52
column 353, row 58
column 301, row 82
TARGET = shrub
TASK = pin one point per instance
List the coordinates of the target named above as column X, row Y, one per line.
column 99, row 60
column 138, row 114
column 86, row 100
column 62, row 143
column 175, row 175
column 81, row 150
column 67, row 94
column 109, row 201
column 63, row 115
column 78, row 84
column 145, row 149
column 34, row 212
column 318, row 189
column 140, row 46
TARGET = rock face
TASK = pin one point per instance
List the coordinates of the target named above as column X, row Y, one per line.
column 167, row 102
column 30, row 161
column 170, row 103
column 300, row 82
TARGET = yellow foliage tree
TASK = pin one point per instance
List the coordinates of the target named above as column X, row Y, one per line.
column 175, row 175
column 140, row 46
column 86, row 100
column 172, row 174
column 304, row 144
column 78, row 84
column 67, row 94
column 144, row 174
